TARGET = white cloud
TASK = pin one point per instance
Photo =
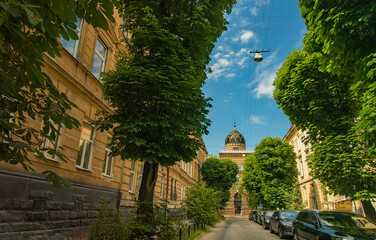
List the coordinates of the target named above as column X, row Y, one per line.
column 244, row 37
column 242, row 61
column 217, row 55
column 241, row 52
column 230, row 75
column 256, row 120
column 266, row 75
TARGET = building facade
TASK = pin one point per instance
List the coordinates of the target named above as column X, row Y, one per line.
column 31, row 207
column 235, row 149
column 312, row 189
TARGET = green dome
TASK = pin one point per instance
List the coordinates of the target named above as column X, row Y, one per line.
column 235, row 137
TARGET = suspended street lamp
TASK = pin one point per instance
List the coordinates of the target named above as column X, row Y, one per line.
column 258, row 56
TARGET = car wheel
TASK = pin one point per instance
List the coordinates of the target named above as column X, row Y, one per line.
column 295, row 236
column 281, row 235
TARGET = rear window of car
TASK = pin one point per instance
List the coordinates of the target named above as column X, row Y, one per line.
column 348, row 220
column 288, row 215
column 269, row 213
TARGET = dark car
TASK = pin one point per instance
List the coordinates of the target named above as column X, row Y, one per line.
column 313, row 224
column 255, row 217
column 252, row 214
column 281, row 222
column 259, row 216
column 265, row 219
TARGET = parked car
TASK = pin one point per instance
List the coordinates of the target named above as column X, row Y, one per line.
column 313, row 224
column 281, row 222
column 259, row 216
column 265, row 219
column 252, row 214
column 256, row 216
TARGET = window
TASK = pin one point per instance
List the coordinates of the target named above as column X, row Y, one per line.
column 108, row 161
column 140, row 177
column 99, row 60
column 55, row 144
column 175, row 191
column 299, row 143
column 305, row 194
column 162, row 187
column 131, row 177
column 72, row 45
column 86, row 145
column 182, row 192
column 172, row 189
column 301, row 169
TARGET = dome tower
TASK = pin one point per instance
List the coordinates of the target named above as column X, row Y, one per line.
column 235, row 141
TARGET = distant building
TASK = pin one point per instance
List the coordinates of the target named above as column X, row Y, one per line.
column 310, row 188
column 32, row 208
column 235, row 149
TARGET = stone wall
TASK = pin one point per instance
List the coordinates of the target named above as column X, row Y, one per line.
column 31, row 208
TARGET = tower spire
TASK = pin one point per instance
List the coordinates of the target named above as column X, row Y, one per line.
column 234, row 124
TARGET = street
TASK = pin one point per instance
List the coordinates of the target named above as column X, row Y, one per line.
column 239, row 228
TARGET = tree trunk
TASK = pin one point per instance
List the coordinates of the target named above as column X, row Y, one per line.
column 369, row 210
column 146, row 193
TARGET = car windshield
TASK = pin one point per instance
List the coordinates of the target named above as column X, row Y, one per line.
column 348, row 220
column 268, row 214
column 288, row 215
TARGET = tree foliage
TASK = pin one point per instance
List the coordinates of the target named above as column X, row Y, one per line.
column 325, row 88
column 30, row 30
column 201, row 204
column 155, row 91
column 220, row 175
column 345, row 35
column 270, row 174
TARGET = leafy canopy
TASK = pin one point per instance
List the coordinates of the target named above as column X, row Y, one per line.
column 344, row 33
column 220, row 174
column 155, row 91
column 29, row 31
column 270, row 174
column 329, row 89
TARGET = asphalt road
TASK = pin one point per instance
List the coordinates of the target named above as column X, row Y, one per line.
column 238, row 228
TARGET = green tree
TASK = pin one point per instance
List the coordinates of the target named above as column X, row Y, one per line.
column 324, row 103
column 344, row 32
column 30, row 30
column 155, row 91
column 270, row 174
column 220, row 175
column 201, row 204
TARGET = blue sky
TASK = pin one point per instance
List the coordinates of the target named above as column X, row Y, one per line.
column 242, row 89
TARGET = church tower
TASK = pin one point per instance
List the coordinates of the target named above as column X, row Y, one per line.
column 235, row 149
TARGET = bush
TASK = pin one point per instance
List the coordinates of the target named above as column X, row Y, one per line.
column 109, row 224
column 201, row 205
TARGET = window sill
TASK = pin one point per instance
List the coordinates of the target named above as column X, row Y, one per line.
column 107, row 176
column 84, row 169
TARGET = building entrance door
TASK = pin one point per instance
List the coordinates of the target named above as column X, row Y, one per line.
column 237, row 204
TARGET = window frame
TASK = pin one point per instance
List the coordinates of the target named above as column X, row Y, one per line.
column 108, row 155
column 56, row 144
column 85, row 141
column 162, row 186
column 76, row 42
column 103, row 58
column 132, row 176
